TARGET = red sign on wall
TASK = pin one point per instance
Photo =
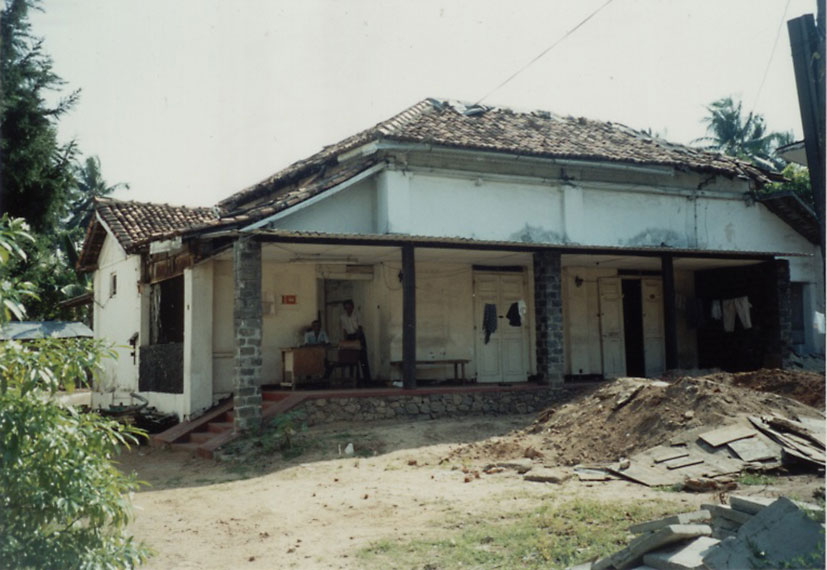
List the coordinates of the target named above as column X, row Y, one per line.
column 288, row 299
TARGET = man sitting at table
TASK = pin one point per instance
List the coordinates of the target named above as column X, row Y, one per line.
column 315, row 335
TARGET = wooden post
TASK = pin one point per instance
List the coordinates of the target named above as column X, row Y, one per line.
column 670, row 323
column 408, row 318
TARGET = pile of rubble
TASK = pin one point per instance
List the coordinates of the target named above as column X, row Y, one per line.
column 702, row 459
column 750, row 532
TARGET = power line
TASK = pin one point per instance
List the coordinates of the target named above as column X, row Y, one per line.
column 772, row 54
column 545, row 51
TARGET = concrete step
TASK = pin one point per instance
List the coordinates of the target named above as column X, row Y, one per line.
column 219, row 427
column 200, row 437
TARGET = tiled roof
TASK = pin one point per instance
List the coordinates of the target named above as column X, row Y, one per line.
column 137, row 223
column 538, row 133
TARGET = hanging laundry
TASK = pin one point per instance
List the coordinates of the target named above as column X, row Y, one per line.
column 728, row 308
column 818, row 322
column 742, row 307
column 523, row 308
column 513, row 315
column 716, row 310
column 489, row 320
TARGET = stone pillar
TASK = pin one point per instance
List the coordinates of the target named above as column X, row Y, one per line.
column 785, row 318
column 548, row 316
column 247, row 326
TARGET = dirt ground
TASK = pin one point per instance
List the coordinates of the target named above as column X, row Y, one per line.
column 416, row 479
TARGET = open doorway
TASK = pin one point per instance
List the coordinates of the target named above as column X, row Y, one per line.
column 633, row 327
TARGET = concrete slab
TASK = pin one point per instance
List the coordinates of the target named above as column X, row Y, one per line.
column 751, row 505
column 683, row 557
column 728, row 512
column 723, row 435
column 779, row 536
column 633, row 553
column 754, row 449
column 683, row 518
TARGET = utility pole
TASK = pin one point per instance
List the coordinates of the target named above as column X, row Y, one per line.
column 807, row 44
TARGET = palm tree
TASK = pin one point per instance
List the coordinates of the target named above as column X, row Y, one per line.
column 745, row 138
column 89, row 184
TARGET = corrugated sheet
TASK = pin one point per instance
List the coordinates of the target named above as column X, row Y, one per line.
column 30, row 330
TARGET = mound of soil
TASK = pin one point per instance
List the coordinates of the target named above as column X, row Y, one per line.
column 806, row 387
column 628, row 415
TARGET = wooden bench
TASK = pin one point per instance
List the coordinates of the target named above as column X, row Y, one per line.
column 458, row 363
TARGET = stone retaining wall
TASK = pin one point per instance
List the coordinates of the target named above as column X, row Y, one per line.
column 430, row 406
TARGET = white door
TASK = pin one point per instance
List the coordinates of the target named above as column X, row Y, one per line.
column 653, row 341
column 611, row 327
column 504, row 358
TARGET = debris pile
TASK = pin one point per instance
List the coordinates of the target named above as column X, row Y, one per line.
column 750, row 532
column 701, row 459
column 629, row 415
column 697, row 432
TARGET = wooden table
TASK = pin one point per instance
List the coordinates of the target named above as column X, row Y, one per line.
column 459, row 365
column 300, row 362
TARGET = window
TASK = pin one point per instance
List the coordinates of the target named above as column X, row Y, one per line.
column 113, row 284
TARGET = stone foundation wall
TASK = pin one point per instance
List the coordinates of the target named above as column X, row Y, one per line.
column 430, row 406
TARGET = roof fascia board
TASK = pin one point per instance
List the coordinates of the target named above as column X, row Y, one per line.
column 317, row 198
column 492, row 155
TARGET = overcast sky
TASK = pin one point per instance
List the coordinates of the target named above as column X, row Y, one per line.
column 189, row 101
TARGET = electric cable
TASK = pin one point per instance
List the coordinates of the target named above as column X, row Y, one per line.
column 542, row 53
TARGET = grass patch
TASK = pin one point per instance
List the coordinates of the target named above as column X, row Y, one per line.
column 554, row 536
column 761, row 479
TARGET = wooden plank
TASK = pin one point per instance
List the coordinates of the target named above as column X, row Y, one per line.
column 669, row 456
column 753, row 449
column 719, row 437
column 684, row 462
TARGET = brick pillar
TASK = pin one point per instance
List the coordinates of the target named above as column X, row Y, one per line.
column 548, row 313
column 785, row 317
column 247, row 326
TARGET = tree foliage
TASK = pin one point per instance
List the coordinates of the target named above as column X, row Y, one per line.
column 63, row 504
column 41, row 180
column 745, row 137
column 37, row 170
column 797, row 181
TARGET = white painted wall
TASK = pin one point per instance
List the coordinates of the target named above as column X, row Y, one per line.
column 485, row 209
column 352, row 210
column 116, row 318
column 284, row 325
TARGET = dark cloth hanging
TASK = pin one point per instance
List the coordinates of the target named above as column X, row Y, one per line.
column 489, row 320
column 513, row 315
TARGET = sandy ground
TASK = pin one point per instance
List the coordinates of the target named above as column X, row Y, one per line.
column 320, row 509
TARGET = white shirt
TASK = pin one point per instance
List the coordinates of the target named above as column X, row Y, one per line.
column 350, row 323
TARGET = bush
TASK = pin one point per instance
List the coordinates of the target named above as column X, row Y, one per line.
column 63, row 504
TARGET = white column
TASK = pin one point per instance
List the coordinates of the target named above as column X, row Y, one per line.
column 198, row 293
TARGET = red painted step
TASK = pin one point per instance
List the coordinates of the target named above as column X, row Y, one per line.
column 215, row 428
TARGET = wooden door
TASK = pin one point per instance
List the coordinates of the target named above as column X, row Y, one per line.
column 504, row 358
column 653, row 339
column 611, row 327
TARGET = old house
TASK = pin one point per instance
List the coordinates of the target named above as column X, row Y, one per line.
column 603, row 252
